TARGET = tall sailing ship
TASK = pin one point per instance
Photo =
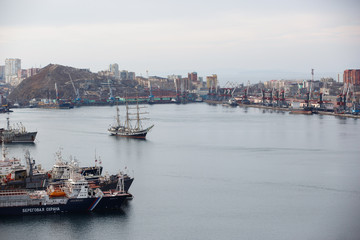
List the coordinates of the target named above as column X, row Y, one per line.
column 127, row 130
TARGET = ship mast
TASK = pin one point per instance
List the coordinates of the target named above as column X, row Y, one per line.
column 127, row 123
column 117, row 115
column 7, row 123
column 3, row 149
column 137, row 114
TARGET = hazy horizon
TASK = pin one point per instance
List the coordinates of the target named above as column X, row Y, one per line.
column 239, row 41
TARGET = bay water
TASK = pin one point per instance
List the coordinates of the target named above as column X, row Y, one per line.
column 204, row 172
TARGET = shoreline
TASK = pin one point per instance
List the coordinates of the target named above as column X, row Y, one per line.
column 286, row 109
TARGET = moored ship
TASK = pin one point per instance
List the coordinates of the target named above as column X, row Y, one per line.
column 61, row 171
column 17, row 176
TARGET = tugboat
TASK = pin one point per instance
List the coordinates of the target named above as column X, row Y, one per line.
column 16, row 135
column 127, row 130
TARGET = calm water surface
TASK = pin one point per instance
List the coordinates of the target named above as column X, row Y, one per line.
column 205, row 172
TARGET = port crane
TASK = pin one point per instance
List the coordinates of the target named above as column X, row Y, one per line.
column 111, row 98
column 245, row 99
column 75, row 89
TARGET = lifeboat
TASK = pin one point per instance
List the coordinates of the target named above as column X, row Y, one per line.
column 57, row 193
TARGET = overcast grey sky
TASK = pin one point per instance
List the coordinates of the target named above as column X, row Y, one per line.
column 239, row 40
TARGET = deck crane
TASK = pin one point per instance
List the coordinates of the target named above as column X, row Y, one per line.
column 75, row 90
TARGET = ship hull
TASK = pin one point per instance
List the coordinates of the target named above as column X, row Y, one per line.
column 28, row 137
column 113, row 184
column 141, row 134
column 72, row 206
column 130, row 135
column 79, row 205
column 301, row 112
column 111, row 203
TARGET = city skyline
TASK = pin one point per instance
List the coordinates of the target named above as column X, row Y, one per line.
column 238, row 41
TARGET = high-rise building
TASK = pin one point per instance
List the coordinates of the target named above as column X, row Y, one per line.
column 2, row 73
column 192, row 76
column 32, row 71
column 124, row 75
column 131, row 75
column 211, row 81
column 352, row 76
column 114, row 69
column 12, row 66
column 22, row 73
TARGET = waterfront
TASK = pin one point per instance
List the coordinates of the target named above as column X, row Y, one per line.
column 206, row 172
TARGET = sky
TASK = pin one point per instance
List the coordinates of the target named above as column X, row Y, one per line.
column 239, row 40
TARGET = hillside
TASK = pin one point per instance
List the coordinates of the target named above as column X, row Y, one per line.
column 42, row 85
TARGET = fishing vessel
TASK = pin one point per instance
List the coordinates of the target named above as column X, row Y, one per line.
column 30, row 176
column 16, row 176
column 17, row 134
column 127, row 130
column 7, row 165
column 62, row 169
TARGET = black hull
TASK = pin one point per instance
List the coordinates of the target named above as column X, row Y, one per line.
column 111, row 186
column 110, row 203
column 95, row 171
column 121, row 132
column 41, row 183
column 141, row 135
column 72, row 206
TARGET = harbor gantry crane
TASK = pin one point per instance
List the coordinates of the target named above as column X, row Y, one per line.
column 245, row 99
column 111, row 98
column 76, row 91
column 57, row 93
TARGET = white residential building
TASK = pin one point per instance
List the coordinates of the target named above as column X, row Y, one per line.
column 12, row 66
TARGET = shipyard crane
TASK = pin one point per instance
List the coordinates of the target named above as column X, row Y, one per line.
column 263, row 97
column 248, row 86
column 111, row 98
column 151, row 96
column 355, row 108
column 233, row 91
column 75, row 90
column 56, row 90
column 245, row 99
